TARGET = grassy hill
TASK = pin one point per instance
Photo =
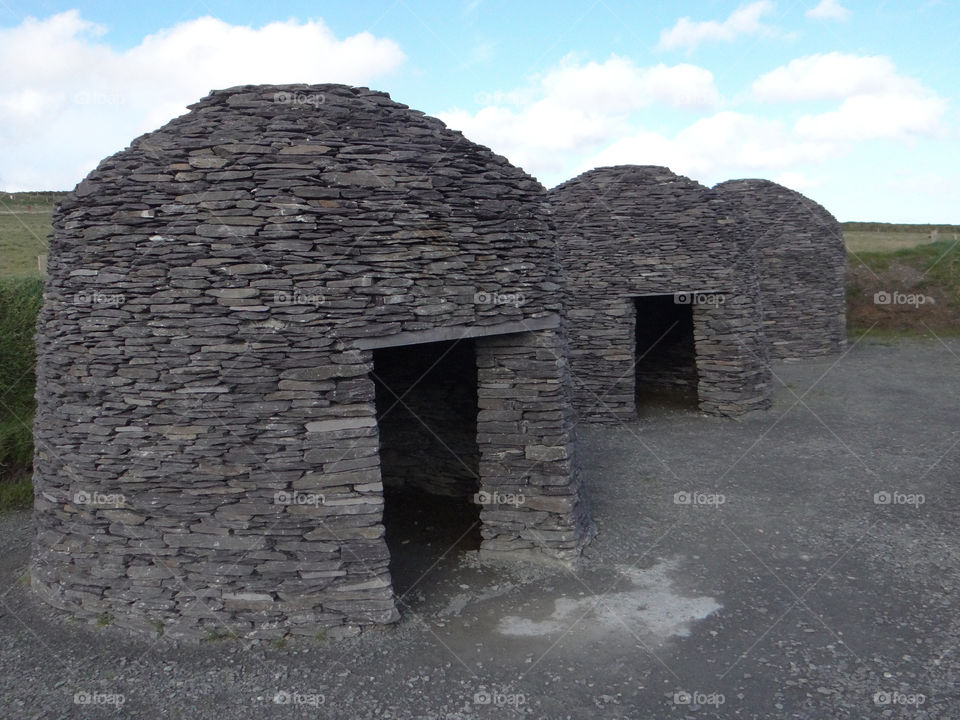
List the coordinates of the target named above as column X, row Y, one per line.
column 24, row 226
column 903, row 279
column 886, row 237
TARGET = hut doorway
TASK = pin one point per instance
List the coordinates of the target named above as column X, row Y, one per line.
column 426, row 401
column 666, row 353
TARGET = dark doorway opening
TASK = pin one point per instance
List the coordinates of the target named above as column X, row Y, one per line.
column 666, row 353
column 426, row 397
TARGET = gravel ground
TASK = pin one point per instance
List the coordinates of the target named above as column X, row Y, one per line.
column 787, row 587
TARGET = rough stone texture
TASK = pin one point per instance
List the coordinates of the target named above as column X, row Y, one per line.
column 629, row 231
column 528, row 447
column 207, row 439
column 801, row 260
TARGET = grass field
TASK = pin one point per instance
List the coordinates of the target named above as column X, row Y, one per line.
column 24, row 226
column 858, row 241
column 902, row 261
column 883, row 237
column 914, row 290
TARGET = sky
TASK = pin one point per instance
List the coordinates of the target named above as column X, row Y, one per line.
column 855, row 104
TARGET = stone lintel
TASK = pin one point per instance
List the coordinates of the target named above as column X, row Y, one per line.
column 459, row 332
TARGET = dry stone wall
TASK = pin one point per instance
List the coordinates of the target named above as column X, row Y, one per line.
column 207, row 440
column 530, row 476
column 801, row 260
column 630, row 231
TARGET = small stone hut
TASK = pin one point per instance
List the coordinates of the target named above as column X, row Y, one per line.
column 801, row 261
column 659, row 292
column 255, row 320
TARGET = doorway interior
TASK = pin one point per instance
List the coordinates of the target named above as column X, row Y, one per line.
column 426, row 401
column 666, row 354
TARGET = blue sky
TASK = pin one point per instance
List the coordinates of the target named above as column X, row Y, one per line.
column 852, row 103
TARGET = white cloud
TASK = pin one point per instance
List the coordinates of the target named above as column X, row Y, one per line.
column 576, row 107
column 745, row 20
column 619, row 85
column 831, row 76
column 877, row 101
column 541, row 137
column 795, row 181
column 727, row 144
column 868, row 117
column 828, row 10
column 73, row 99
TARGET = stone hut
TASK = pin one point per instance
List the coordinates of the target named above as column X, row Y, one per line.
column 263, row 324
column 660, row 294
column 801, row 261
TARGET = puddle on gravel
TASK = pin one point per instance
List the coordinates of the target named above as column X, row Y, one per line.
column 651, row 607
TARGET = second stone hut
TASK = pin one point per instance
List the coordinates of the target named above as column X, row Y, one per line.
column 660, row 294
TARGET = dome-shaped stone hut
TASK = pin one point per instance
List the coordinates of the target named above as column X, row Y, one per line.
column 660, row 294
column 265, row 321
column 801, row 261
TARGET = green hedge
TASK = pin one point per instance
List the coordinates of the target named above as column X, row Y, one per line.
column 20, row 300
